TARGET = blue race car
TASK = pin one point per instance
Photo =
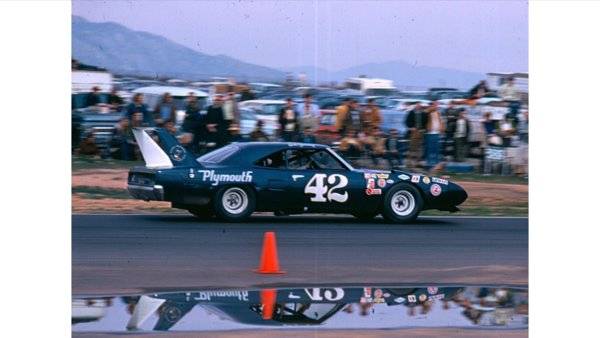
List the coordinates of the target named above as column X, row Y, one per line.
column 234, row 181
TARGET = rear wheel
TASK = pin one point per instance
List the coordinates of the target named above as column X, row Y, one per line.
column 234, row 204
column 402, row 203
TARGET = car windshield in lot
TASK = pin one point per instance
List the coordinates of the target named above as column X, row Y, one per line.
column 270, row 109
column 219, row 155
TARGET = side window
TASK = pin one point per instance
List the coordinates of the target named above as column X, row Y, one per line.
column 321, row 159
column 275, row 160
column 297, row 159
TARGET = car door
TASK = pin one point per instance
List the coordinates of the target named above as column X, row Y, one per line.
column 319, row 182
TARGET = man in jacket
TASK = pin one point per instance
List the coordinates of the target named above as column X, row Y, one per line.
column 308, row 114
column 416, row 122
column 342, row 121
column 216, row 125
column 165, row 110
column 435, row 128
column 194, row 124
column 139, row 107
column 370, row 117
column 461, row 137
column 288, row 122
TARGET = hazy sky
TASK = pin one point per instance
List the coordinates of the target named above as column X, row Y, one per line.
column 478, row 36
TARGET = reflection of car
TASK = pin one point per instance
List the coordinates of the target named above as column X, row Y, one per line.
column 267, row 111
column 236, row 180
column 89, row 309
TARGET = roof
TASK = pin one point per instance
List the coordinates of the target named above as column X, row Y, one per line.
column 273, row 146
column 521, row 75
column 174, row 91
column 252, row 151
column 264, row 102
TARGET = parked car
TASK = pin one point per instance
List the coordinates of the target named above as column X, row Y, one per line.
column 326, row 132
column 265, row 110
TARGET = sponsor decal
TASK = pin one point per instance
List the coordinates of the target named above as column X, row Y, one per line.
column 373, row 191
column 378, row 293
column 215, row 179
column 382, row 176
column 191, row 174
column 400, row 300
column 208, row 295
column 177, row 153
column 295, row 177
column 439, row 180
column 371, row 183
column 432, row 290
column 438, row 297
column 426, row 180
column 381, row 183
column 369, row 175
column 386, row 295
column 293, row 296
column 422, row 297
column 415, row 178
column 412, row 299
column 390, row 181
column 367, row 292
column 403, row 177
column 435, row 189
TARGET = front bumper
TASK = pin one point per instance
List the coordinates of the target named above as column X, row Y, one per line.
column 146, row 193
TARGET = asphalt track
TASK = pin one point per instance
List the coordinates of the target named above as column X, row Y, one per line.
column 136, row 253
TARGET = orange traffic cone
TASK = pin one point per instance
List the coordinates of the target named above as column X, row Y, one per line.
column 267, row 299
column 269, row 262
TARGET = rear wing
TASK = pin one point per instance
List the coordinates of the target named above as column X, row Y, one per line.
column 164, row 154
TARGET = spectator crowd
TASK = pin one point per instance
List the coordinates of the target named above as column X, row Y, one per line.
column 429, row 127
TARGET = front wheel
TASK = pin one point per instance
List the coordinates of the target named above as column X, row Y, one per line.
column 234, row 204
column 402, row 203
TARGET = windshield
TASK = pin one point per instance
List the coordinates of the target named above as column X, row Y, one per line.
column 328, row 120
column 380, row 92
column 270, row 109
column 219, row 155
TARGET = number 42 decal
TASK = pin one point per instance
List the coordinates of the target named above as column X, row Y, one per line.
column 322, row 193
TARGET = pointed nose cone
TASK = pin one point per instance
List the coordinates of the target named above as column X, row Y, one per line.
column 457, row 194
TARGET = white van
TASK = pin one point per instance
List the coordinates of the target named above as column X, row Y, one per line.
column 153, row 95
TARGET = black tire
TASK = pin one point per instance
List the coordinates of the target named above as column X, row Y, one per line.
column 402, row 203
column 365, row 216
column 202, row 212
column 242, row 199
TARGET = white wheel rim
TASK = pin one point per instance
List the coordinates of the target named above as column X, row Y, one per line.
column 235, row 201
column 403, row 203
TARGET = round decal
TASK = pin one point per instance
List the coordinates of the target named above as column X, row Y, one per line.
column 432, row 290
column 371, row 183
column 422, row 297
column 177, row 153
column 426, row 180
column 435, row 189
column 381, row 182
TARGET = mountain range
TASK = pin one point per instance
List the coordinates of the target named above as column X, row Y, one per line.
column 126, row 51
